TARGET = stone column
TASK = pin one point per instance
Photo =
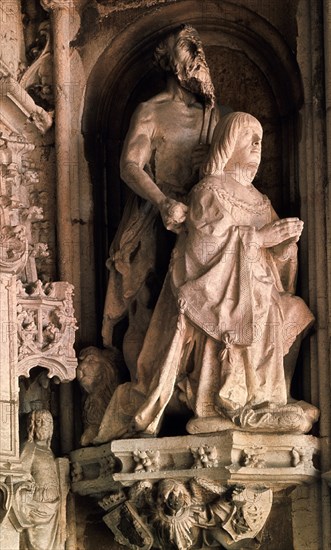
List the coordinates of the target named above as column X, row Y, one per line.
column 11, row 35
column 313, row 174
column 327, row 66
column 60, row 17
column 61, row 11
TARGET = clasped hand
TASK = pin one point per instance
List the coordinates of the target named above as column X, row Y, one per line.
column 274, row 233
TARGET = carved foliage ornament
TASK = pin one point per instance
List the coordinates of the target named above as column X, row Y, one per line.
column 13, row 248
column 37, row 79
column 19, row 208
column 46, row 328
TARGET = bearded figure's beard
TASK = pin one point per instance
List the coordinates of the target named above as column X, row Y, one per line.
column 42, row 434
column 199, row 85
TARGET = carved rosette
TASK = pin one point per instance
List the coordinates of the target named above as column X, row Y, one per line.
column 205, row 457
column 146, row 460
column 46, row 329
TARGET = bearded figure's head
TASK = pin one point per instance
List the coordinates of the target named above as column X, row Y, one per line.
column 181, row 53
column 40, row 426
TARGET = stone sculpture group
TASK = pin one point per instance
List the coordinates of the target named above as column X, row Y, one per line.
column 223, row 338
column 205, row 272
column 214, row 325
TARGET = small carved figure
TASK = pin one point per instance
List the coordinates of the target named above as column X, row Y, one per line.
column 175, row 515
column 98, row 375
column 175, row 520
column 160, row 162
column 13, row 242
column 229, row 307
column 40, row 502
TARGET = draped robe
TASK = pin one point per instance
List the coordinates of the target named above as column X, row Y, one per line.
column 224, row 321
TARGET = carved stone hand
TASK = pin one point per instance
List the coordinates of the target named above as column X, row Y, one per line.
column 173, row 214
column 277, row 232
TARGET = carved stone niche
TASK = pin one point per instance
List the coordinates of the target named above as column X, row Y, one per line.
column 37, row 329
column 192, row 492
column 35, row 507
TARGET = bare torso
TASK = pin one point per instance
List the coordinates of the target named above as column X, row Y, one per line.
column 176, row 130
column 157, row 154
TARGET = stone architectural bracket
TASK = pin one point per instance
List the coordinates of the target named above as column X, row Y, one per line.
column 228, row 478
column 37, row 79
column 92, row 470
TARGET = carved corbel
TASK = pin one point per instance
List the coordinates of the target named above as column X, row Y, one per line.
column 192, row 491
column 56, row 4
column 187, row 514
column 92, row 471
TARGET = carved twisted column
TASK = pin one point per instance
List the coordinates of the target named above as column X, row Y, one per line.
column 13, row 259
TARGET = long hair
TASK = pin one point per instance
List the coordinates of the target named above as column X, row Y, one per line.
column 32, row 424
column 224, row 140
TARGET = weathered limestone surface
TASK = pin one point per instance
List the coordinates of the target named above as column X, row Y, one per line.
column 134, row 478
column 231, row 278
column 37, row 317
column 268, row 59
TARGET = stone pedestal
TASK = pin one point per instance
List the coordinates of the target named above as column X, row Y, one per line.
column 217, row 488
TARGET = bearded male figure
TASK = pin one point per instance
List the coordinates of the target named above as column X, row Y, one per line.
column 40, row 503
column 160, row 162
